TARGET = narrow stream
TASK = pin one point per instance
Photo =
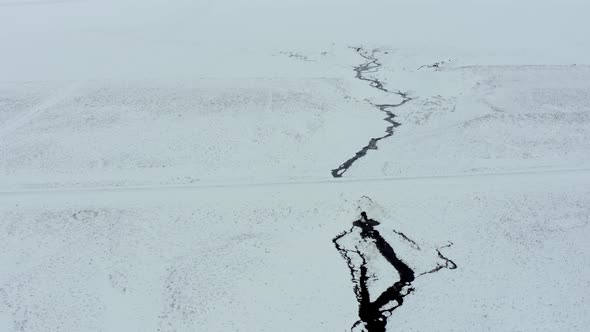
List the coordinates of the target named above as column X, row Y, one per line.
column 373, row 315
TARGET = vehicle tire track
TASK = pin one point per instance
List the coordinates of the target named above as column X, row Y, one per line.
column 17, row 122
column 372, row 65
column 12, row 190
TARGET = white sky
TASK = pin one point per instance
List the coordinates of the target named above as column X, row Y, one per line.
column 86, row 39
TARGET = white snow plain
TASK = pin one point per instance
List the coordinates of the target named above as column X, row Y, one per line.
column 165, row 165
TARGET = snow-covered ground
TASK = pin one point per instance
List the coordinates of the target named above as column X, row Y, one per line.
column 169, row 166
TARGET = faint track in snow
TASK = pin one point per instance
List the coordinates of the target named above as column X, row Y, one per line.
column 21, row 119
column 371, row 65
column 374, row 314
column 221, row 185
column 36, row 3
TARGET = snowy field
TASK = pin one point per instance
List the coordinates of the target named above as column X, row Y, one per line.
column 197, row 165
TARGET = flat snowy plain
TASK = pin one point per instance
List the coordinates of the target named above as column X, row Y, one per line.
column 169, row 165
